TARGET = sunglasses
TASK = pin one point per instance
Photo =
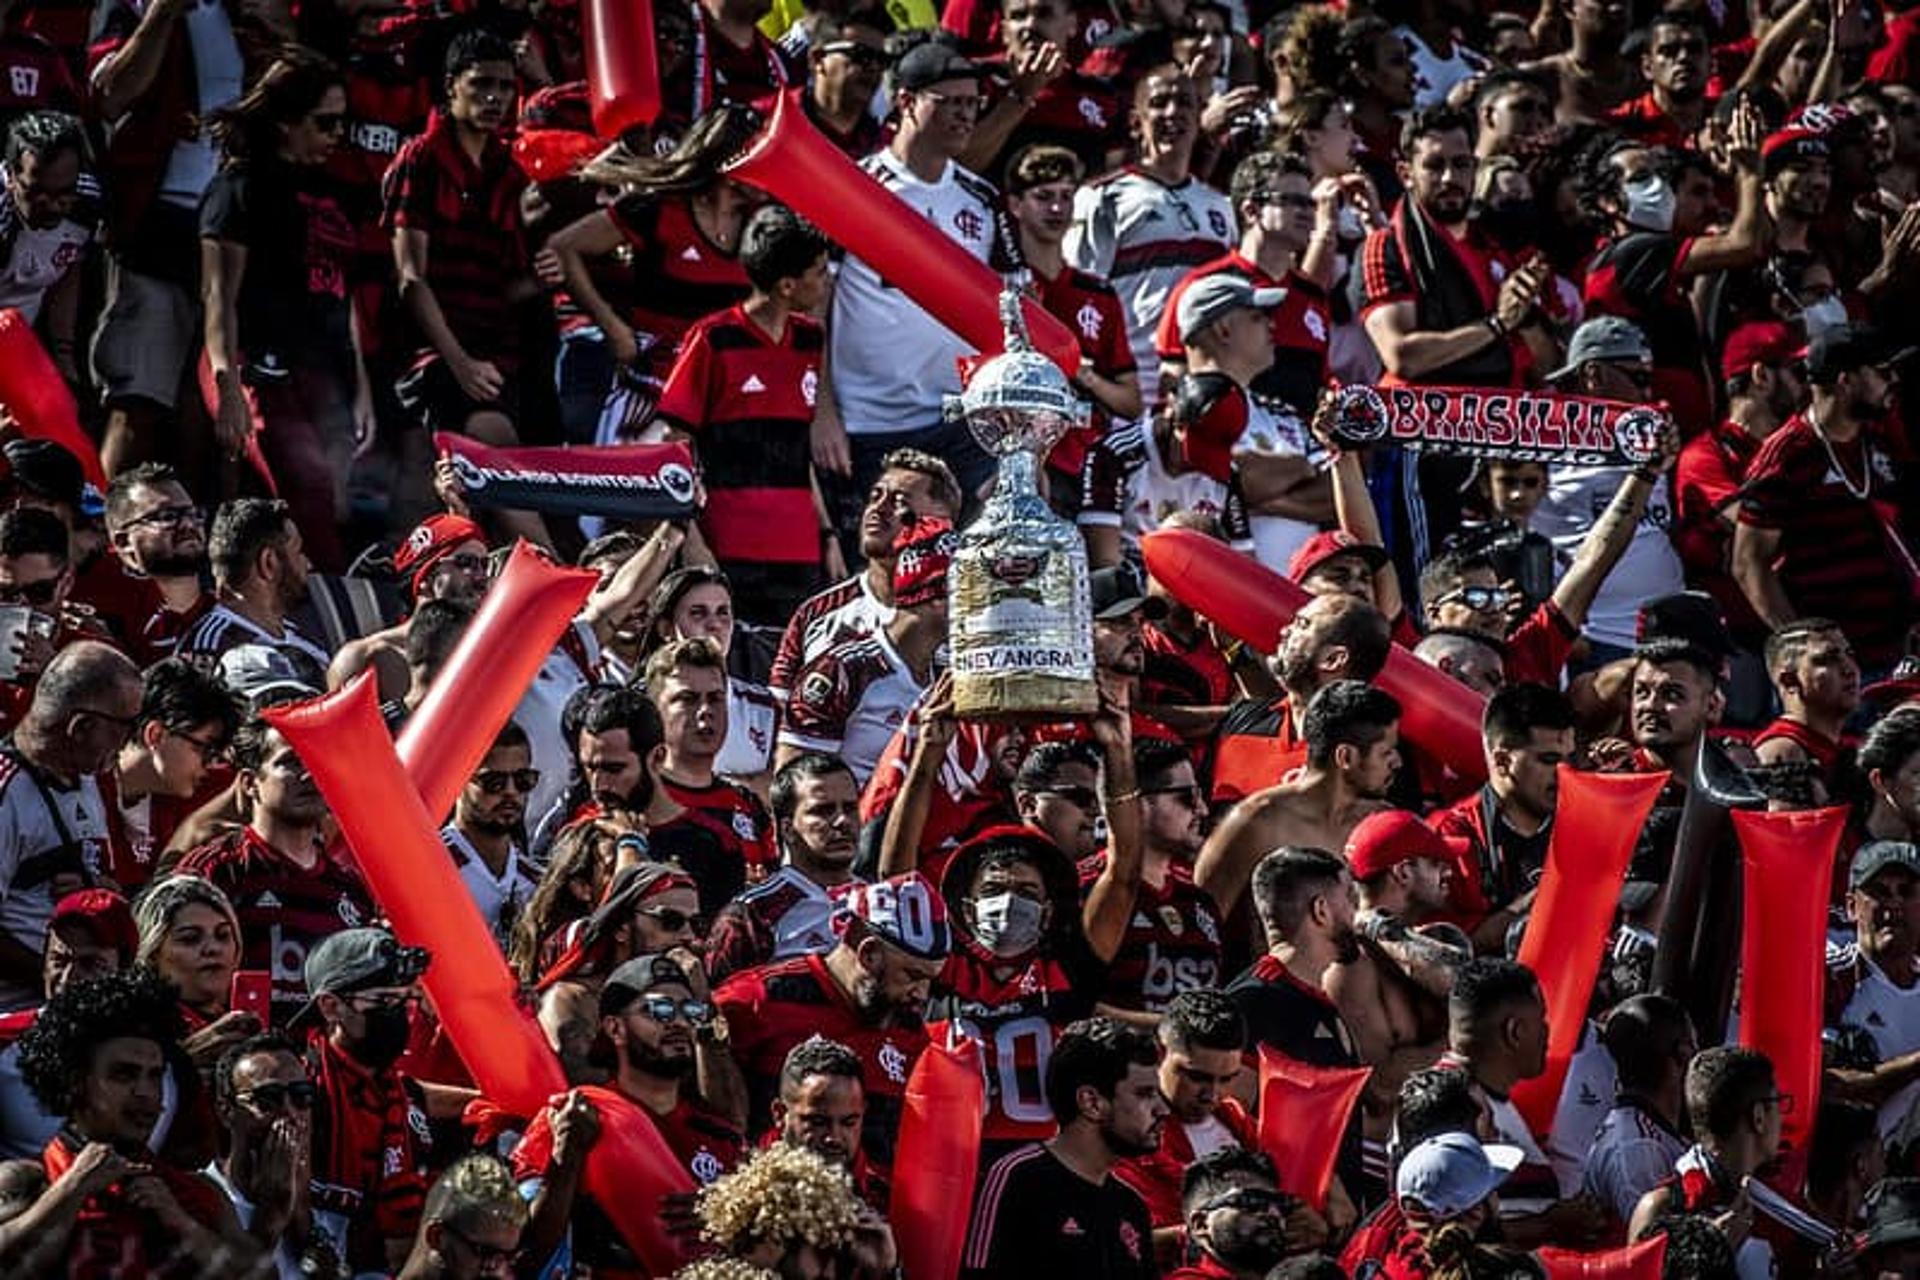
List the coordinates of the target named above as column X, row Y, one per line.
column 277, row 1097
column 669, row 919
column 1078, row 797
column 495, row 781
column 1191, row 793
column 41, row 592
column 864, row 55
column 1478, row 599
column 666, row 1009
column 1249, row 1200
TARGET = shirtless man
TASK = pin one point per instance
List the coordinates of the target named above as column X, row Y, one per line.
column 1594, row 76
column 1353, row 749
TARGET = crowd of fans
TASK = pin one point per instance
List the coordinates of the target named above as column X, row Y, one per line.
column 736, row 846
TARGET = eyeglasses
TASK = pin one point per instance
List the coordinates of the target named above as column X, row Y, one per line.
column 42, row 592
column 1288, row 200
column 123, row 723
column 669, row 919
column 207, row 751
column 298, row 1094
column 864, row 55
column 1638, row 374
column 485, row 1255
column 1478, row 599
column 1079, row 797
column 169, row 515
column 494, row 781
column 666, row 1009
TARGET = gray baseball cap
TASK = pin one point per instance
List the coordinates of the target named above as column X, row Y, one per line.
column 1211, row 297
column 1873, row 858
column 1603, row 338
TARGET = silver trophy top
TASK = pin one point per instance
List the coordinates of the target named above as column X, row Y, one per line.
column 1018, row 400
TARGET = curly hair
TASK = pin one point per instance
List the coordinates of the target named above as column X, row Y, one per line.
column 724, row 1269
column 57, row 1051
column 785, row 1195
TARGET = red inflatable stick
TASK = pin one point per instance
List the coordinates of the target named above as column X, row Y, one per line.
column 629, row 1169
column 1643, row 1261
column 623, row 64
column 937, row 1158
column 343, row 742
column 1252, row 603
column 1303, row 1117
column 1789, row 864
column 546, row 154
column 37, row 397
column 1595, row 824
column 256, row 457
column 794, row 164
column 522, row 617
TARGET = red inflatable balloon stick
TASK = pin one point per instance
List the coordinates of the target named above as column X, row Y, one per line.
column 37, row 397
column 524, row 614
column 1303, row 1117
column 1254, row 604
column 629, row 1170
column 623, row 64
column 343, row 742
column 1789, row 865
column 546, row 154
column 794, row 164
column 937, row 1158
column 1595, row 824
column 1643, row 1261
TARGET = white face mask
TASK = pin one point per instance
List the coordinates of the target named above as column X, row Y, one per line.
column 1650, row 203
column 1824, row 314
column 1007, row 924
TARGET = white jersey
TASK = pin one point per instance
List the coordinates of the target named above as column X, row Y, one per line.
column 1141, row 236
column 1277, row 435
column 1434, row 76
column 1510, row 1127
column 806, row 912
column 847, row 610
column 51, row 838
column 567, row 670
column 1585, row 1098
column 891, row 362
column 1651, row 567
column 40, row 259
column 753, row 720
column 227, row 643
column 500, row 898
column 1633, row 1153
column 848, row 702
column 1891, row 1015
column 286, row 1260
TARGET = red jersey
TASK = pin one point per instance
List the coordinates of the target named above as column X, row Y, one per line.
column 1539, row 647
column 970, row 795
column 1821, row 749
column 1172, row 942
column 1157, row 1177
column 132, row 853
column 1639, row 276
column 748, row 825
column 1706, row 491
column 700, row 1137
column 34, row 76
column 1177, row 674
column 1015, row 1019
column 771, row 1009
column 1087, row 305
column 1644, row 120
column 747, row 401
column 284, row 908
column 112, row 1239
column 1302, row 325
column 687, row 276
column 1258, row 747
column 370, row 1148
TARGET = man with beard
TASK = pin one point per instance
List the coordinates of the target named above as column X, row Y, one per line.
column 483, row 839
column 1734, row 1104
column 1811, row 538
column 846, row 57
column 1676, row 60
column 1235, row 1215
column 1526, row 735
column 1797, row 164
column 816, row 816
column 1760, row 368
column 868, row 993
column 823, row 1106
column 443, row 558
column 1818, row 683
column 259, row 576
column 1352, row 733
column 1173, row 939
column 370, row 1135
column 911, row 486
column 650, row 1018
column 46, row 152
column 1332, row 637
column 157, row 534
column 1048, row 99
column 288, row 884
column 1510, row 109
column 1054, row 1208
column 1676, row 698
column 264, row 1101
column 687, row 681
column 1143, row 227
column 1874, row 988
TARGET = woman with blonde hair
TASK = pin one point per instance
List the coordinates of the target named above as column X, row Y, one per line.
column 190, row 935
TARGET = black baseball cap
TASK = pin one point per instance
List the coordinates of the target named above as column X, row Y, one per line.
column 46, row 470
column 1873, row 858
column 1117, row 591
column 1845, row 348
column 637, row 977
column 358, row 960
column 1690, row 616
column 927, row 64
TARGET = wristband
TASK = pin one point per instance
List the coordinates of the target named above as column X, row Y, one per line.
column 1122, row 797
column 1496, row 325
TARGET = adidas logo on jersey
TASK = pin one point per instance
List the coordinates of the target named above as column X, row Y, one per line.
column 267, row 901
column 752, row 385
column 690, row 254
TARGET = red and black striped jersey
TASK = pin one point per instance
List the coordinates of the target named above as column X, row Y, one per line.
column 370, row 1148
column 1173, row 941
column 687, row 276
column 1087, row 305
column 1302, row 326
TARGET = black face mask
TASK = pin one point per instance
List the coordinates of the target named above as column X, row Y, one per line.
column 385, row 1038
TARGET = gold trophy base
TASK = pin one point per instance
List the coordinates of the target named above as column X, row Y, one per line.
column 1026, row 697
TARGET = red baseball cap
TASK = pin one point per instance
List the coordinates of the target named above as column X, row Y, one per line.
column 1324, row 546
column 433, row 540
column 1382, row 841
column 1207, row 440
column 105, row 915
column 1789, row 146
column 1761, row 342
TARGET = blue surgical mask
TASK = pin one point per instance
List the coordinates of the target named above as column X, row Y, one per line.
column 1650, row 203
column 1825, row 314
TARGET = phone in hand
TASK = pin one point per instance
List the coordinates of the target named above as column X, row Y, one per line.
column 253, row 993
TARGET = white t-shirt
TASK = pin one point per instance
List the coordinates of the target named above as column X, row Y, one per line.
column 505, row 894
column 1435, row 76
column 805, row 926
column 1276, row 538
column 41, row 257
column 1632, row 1154
column 35, row 846
column 220, row 75
column 1510, row 1127
column 891, row 361
column 286, row 1263
column 559, row 678
column 1891, row 1015
column 1142, row 236
column 1585, row 1100
column 223, row 638
column 1651, row 567
column 753, row 720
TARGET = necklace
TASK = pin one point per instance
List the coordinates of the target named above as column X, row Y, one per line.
column 1866, row 464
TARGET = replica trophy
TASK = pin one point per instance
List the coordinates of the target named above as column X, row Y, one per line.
column 1021, row 624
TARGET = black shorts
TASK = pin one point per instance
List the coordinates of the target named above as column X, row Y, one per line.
column 435, row 400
